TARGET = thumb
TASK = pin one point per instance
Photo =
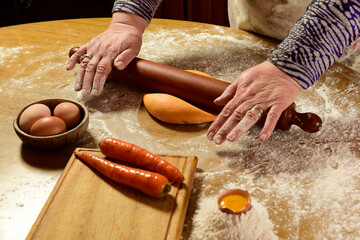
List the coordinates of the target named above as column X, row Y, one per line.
column 227, row 95
column 123, row 59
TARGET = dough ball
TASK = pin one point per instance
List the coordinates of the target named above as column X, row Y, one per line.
column 171, row 109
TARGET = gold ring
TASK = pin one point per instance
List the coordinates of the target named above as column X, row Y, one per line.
column 258, row 110
column 85, row 56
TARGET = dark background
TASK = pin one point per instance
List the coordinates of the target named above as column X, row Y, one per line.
column 24, row 11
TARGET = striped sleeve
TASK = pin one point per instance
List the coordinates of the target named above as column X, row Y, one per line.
column 318, row 39
column 143, row 8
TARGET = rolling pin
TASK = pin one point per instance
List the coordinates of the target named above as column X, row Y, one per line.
column 201, row 91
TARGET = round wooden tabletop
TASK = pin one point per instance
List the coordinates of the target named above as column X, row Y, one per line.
column 303, row 186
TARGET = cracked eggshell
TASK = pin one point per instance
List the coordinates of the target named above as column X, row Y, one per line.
column 234, row 192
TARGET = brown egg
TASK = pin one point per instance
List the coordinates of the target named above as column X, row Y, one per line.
column 47, row 126
column 32, row 114
column 68, row 112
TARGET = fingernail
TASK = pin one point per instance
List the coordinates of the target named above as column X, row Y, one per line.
column 231, row 137
column 85, row 92
column 120, row 65
column 217, row 139
column 77, row 86
column 263, row 137
column 210, row 135
column 94, row 92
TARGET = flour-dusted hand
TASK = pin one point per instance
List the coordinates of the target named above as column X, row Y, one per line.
column 262, row 87
column 117, row 47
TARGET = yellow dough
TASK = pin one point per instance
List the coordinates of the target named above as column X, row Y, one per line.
column 171, row 109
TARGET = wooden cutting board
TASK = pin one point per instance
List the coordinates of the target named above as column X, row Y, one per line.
column 85, row 205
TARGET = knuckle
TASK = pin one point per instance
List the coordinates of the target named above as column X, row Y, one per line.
column 226, row 112
column 84, row 63
column 217, row 124
column 101, row 69
column 272, row 116
column 237, row 116
column 252, row 115
column 90, row 67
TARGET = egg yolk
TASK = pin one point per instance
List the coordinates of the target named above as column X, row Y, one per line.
column 234, row 202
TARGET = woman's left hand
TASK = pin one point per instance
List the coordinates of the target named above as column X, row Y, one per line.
column 263, row 86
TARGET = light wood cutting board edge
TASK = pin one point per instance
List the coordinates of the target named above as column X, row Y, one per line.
column 174, row 230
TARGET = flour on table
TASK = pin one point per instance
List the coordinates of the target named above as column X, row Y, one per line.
column 8, row 54
column 211, row 224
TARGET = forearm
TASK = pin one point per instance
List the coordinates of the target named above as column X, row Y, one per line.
column 317, row 40
column 144, row 8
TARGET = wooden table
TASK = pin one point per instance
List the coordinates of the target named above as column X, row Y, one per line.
column 304, row 186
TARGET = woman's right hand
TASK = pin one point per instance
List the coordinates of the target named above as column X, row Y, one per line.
column 117, row 47
column 265, row 87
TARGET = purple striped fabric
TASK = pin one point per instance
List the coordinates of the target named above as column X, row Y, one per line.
column 143, row 8
column 318, row 39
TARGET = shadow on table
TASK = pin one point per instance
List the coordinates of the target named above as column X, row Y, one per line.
column 54, row 158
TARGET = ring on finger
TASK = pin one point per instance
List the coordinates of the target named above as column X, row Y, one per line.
column 258, row 110
column 85, row 56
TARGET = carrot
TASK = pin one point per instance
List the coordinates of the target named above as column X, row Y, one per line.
column 123, row 151
column 150, row 183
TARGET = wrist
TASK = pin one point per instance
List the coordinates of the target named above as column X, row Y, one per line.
column 283, row 74
column 129, row 19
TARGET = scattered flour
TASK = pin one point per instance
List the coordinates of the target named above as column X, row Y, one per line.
column 14, row 206
column 209, row 57
column 8, row 54
column 212, row 224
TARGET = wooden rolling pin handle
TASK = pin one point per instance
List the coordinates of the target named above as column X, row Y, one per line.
column 309, row 122
column 196, row 89
column 72, row 51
